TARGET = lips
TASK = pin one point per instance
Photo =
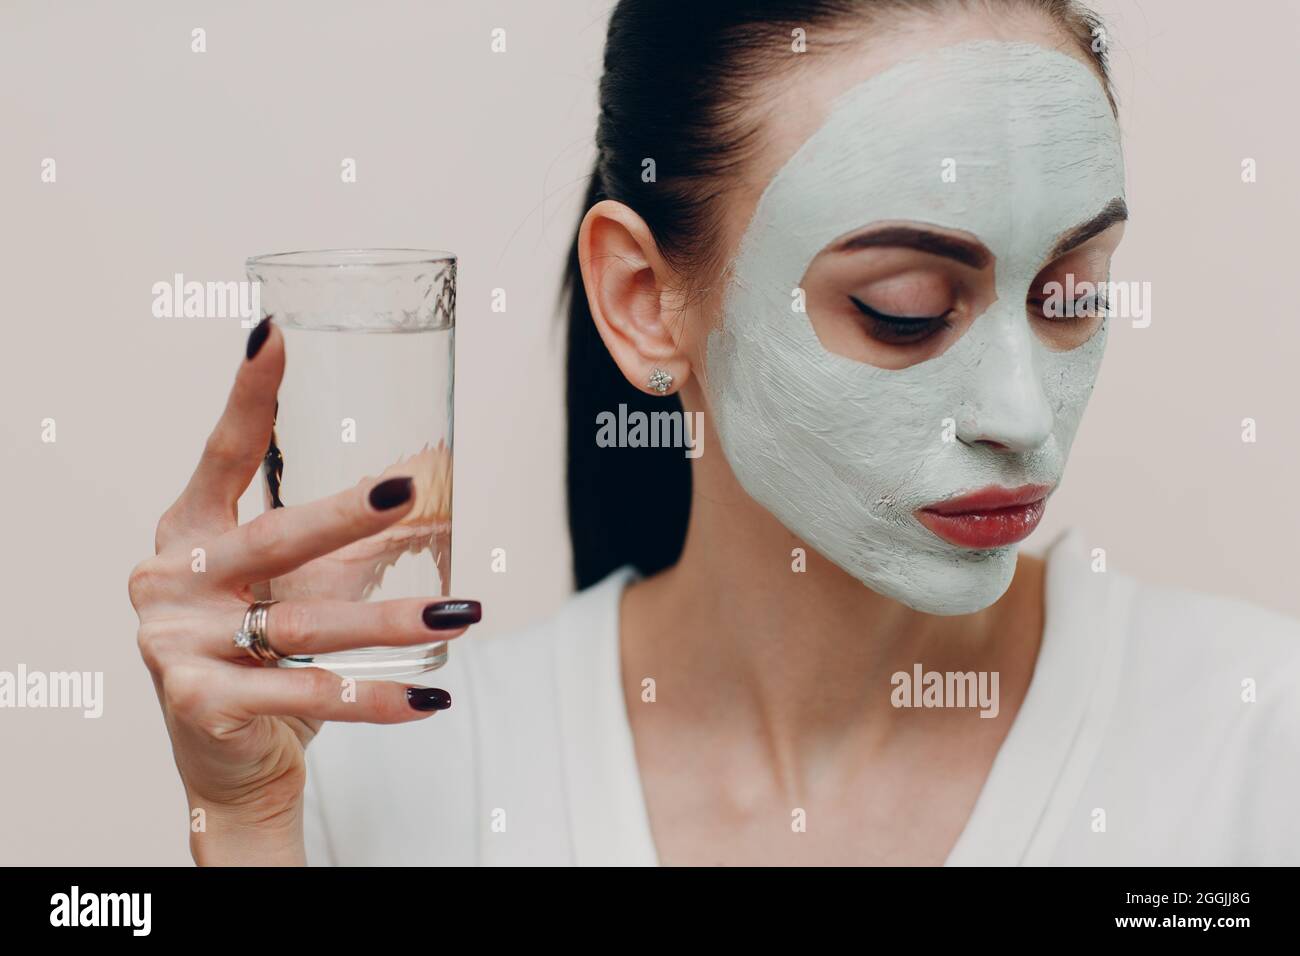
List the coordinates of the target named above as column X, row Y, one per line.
column 991, row 517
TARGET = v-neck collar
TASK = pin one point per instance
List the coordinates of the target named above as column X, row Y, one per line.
column 608, row 820
column 1031, row 786
column 1039, row 769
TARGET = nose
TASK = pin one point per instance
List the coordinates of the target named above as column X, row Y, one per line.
column 1005, row 406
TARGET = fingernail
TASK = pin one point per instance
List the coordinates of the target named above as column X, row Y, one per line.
column 445, row 615
column 390, row 493
column 257, row 338
column 428, row 698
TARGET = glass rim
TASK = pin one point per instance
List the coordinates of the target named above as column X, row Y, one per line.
column 368, row 258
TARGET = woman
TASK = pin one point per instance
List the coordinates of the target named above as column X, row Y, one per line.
column 832, row 228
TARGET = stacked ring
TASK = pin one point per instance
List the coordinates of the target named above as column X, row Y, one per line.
column 252, row 636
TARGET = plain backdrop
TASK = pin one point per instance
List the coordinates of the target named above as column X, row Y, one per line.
column 171, row 161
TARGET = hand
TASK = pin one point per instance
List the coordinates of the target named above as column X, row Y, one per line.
column 239, row 729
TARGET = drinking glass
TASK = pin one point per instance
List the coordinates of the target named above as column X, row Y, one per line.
column 369, row 338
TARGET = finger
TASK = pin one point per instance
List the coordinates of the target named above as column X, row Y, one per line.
column 237, row 444
column 276, row 542
column 318, row 694
column 298, row 628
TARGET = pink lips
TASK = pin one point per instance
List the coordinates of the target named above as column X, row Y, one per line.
column 991, row 517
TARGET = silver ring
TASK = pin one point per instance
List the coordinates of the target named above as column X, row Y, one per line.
column 252, row 636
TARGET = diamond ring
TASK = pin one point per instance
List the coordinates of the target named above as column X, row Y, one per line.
column 252, row 636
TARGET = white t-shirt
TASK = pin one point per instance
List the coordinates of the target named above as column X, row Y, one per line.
column 1138, row 743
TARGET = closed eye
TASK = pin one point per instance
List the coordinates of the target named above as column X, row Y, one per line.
column 899, row 329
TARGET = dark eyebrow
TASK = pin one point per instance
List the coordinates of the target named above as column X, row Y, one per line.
column 973, row 254
column 967, row 253
column 1115, row 211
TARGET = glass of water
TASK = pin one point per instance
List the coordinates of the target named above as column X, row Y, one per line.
column 367, row 393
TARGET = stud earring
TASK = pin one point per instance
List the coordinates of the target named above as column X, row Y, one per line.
column 660, row 381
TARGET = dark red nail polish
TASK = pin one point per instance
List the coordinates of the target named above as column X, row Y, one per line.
column 391, row 493
column 257, row 338
column 428, row 698
column 445, row 615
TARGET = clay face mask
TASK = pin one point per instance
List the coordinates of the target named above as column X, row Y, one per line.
column 844, row 453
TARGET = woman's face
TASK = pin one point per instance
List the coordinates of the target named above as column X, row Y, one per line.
column 884, row 346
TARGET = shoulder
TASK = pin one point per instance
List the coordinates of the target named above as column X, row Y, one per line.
column 1225, row 669
column 1225, row 672
column 525, row 687
column 1177, row 630
column 421, row 793
column 1212, row 630
column 1196, row 715
column 1197, row 640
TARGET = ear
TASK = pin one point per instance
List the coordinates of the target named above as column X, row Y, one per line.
column 630, row 295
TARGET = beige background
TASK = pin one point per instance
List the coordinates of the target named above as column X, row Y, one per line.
column 169, row 161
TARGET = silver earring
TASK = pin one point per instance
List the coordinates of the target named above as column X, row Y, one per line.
column 660, row 381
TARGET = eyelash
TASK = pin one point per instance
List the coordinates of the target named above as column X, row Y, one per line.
column 901, row 329
column 1096, row 303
